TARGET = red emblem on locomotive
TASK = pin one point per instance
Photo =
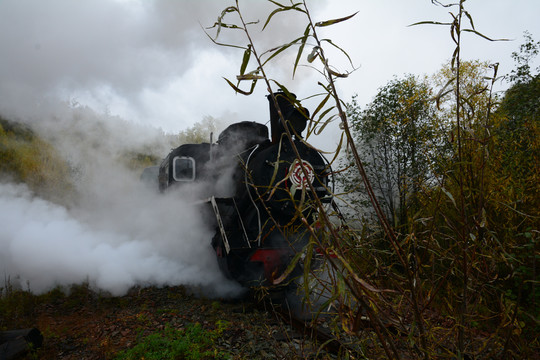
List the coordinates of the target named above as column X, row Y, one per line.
column 297, row 176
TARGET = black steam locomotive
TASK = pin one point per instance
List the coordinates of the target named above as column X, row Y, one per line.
column 257, row 190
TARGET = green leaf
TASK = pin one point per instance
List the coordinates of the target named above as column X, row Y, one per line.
column 436, row 2
column 340, row 49
column 454, row 58
column 293, row 189
column 293, row 6
column 291, row 267
column 363, row 284
column 307, row 266
column 271, row 15
column 279, row 49
column 325, row 112
column 325, row 87
column 429, row 23
column 328, row 121
column 252, row 75
column 280, row 9
column 443, row 92
column 449, row 196
column 223, row 25
column 334, row 21
column 321, row 105
column 240, row 91
column 317, row 110
column 276, row 168
column 327, row 304
column 336, row 74
column 470, row 18
column 288, row 94
column 219, row 22
column 301, row 48
column 453, row 34
column 222, row 44
column 313, row 55
column 249, row 76
column 484, row 36
column 338, row 148
column 278, row 4
column 245, row 60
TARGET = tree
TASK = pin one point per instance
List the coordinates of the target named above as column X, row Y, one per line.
column 463, row 165
column 514, row 162
column 396, row 135
column 517, row 131
column 527, row 51
column 200, row 131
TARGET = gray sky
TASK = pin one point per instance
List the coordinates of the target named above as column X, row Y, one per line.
column 149, row 61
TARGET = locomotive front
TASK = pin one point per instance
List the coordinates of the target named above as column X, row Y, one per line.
column 262, row 227
column 260, row 190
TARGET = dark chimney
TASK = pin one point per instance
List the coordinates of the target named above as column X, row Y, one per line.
column 295, row 116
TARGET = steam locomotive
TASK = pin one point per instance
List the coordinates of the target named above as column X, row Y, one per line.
column 257, row 190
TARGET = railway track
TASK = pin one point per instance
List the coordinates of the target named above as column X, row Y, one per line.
column 317, row 333
column 319, row 330
column 302, row 326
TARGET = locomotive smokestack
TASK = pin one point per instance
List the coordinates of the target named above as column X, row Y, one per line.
column 295, row 115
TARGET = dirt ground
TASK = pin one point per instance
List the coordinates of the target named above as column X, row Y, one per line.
column 86, row 325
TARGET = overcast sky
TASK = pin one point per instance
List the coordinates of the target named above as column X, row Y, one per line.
column 149, row 61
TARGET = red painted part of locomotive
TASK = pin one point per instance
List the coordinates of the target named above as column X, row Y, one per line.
column 272, row 260
column 328, row 252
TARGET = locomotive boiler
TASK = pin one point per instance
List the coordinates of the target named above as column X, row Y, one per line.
column 257, row 189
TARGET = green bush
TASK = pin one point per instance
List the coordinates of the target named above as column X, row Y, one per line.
column 191, row 343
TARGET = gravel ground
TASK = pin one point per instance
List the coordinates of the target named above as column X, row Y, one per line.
column 87, row 325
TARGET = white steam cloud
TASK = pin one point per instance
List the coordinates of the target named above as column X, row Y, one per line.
column 43, row 245
column 148, row 61
column 119, row 232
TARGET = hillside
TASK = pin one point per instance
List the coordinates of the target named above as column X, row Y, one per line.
column 27, row 158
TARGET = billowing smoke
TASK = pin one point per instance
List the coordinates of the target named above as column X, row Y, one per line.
column 44, row 245
column 147, row 61
column 117, row 232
